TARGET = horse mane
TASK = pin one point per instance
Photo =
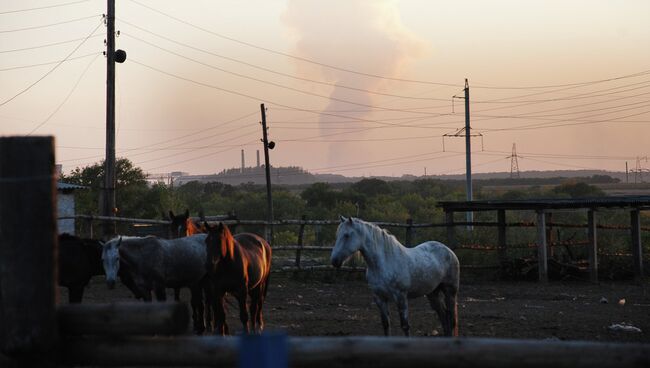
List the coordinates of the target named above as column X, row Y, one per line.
column 388, row 240
column 192, row 228
column 227, row 242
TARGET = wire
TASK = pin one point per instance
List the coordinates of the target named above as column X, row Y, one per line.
column 66, row 97
column 310, row 61
column 568, row 84
column 46, row 45
column 48, row 63
column 338, row 85
column 43, row 7
column 53, row 69
column 49, row 25
column 281, row 85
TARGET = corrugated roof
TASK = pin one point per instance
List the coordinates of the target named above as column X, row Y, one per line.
column 65, row 186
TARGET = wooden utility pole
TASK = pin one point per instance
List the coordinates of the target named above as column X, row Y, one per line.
column 468, row 153
column 267, row 169
column 108, row 202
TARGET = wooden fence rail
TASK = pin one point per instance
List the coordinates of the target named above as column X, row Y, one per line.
column 365, row 351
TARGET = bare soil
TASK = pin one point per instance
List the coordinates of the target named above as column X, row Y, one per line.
column 340, row 304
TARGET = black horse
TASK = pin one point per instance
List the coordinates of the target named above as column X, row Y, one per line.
column 80, row 260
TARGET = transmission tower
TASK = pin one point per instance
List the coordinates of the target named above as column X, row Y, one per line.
column 514, row 163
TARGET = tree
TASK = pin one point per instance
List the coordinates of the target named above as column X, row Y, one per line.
column 130, row 189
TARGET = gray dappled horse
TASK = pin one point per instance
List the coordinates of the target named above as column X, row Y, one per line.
column 155, row 264
column 396, row 273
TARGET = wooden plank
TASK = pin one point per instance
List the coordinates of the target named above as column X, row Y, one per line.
column 408, row 238
column 592, row 247
column 28, row 246
column 124, row 319
column 367, row 351
column 542, row 256
column 637, row 252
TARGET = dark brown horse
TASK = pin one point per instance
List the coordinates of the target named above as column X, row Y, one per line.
column 239, row 265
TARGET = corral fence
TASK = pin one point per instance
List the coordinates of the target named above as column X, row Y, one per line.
column 34, row 331
column 542, row 250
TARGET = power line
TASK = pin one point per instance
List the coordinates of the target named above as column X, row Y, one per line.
column 362, row 73
column 49, row 25
column 46, row 45
column 44, row 7
column 48, row 63
column 281, row 85
column 567, row 84
column 338, row 85
column 51, row 70
column 66, row 97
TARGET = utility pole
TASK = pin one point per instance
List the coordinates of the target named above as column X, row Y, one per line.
column 468, row 153
column 267, row 145
column 110, row 178
column 108, row 208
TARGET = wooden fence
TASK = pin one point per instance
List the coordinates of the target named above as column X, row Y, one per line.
column 544, row 244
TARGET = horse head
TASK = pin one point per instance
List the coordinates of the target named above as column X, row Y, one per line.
column 220, row 243
column 349, row 239
column 111, row 260
column 179, row 223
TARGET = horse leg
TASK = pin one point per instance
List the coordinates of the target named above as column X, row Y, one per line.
column 451, row 303
column 403, row 308
column 220, row 316
column 196, row 301
column 177, row 294
column 243, row 309
column 384, row 312
column 256, row 310
column 75, row 294
column 208, row 293
column 438, row 305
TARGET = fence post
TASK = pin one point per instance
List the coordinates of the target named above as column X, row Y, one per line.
column 637, row 253
column 549, row 233
column 592, row 247
column 28, row 330
column 409, row 232
column 542, row 255
column 451, row 236
column 502, row 243
column 301, row 236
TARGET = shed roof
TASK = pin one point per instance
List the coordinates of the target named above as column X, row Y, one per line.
column 66, row 186
column 546, row 204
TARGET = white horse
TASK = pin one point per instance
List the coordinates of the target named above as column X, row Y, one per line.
column 396, row 273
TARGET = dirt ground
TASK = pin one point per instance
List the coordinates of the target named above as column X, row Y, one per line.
column 340, row 304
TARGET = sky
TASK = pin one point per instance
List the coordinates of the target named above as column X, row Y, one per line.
column 351, row 87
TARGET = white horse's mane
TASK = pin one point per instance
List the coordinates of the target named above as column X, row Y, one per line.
column 388, row 240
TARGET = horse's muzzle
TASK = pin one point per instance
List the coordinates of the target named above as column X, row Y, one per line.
column 336, row 262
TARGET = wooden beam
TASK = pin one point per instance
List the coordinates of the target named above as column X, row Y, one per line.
column 120, row 319
column 28, row 247
column 370, row 351
column 542, row 256
column 637, row 253
column 592, row 247
column 451, row 233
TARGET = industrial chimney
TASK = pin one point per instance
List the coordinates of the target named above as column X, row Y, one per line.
column 258, row 159
column 243, row 162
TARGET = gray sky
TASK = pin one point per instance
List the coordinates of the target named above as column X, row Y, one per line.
column 352, row 87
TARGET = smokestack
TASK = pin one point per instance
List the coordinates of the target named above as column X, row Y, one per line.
column 243, row 162
column 258, row 159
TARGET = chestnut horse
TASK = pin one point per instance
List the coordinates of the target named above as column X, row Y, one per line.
column 239, row 265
